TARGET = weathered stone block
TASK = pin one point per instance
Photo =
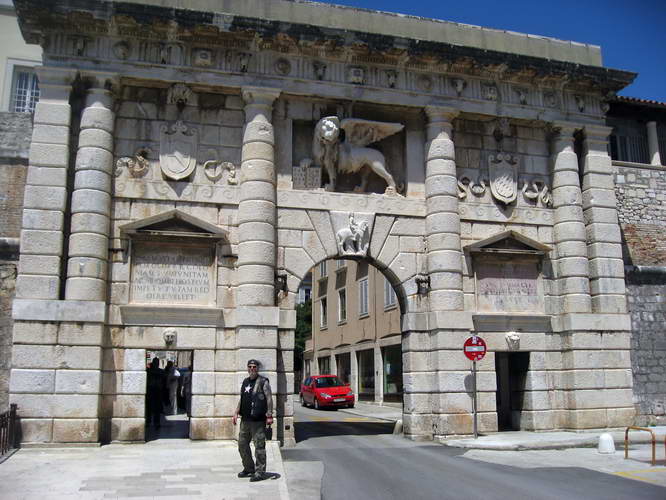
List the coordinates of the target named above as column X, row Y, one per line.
column 38, row 430
column 33, row 332
column 78, row 381
column 203, row 383
column 32, row 381
column 225, row 405
column 120, row 382
column 202, row 406
column 202, row 428
column 75, row 430
column 127, row 429
column 37, row 287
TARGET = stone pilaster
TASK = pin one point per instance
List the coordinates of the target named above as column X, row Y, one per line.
column 45, row 201
column 571, row 264
column 604, row 241
column 91, row 198
column 442, row 218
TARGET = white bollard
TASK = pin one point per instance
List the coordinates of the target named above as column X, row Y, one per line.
column 606, row 444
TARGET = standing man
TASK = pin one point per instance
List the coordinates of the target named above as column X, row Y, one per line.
column 255, row 407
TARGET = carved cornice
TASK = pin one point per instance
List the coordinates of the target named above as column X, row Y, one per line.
column 168, row 36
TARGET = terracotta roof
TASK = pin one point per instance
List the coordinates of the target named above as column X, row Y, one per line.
column 636, row 100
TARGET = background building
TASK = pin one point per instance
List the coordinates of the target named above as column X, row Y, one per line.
column 356, row 329
column 638, row 149
column 19, row 87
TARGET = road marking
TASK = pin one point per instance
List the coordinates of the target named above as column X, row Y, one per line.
column 637, row 474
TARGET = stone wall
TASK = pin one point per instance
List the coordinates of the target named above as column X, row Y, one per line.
column 14, row 143
column 646, row 290
column 641, row 195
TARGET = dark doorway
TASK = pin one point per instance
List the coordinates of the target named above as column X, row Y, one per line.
column 366, row 375
column 511, row 372
column 392, row 356
column 168, row 394
column 344, row 367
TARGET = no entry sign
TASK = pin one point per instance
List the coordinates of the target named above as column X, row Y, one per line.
column 475, row 348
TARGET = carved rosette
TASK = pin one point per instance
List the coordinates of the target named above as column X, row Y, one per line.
column 503, row 169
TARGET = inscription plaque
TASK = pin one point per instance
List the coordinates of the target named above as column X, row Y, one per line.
column 306, row 177
column 508, row 286
column 169, row 274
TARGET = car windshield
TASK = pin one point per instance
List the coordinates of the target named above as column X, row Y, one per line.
column 328, row 382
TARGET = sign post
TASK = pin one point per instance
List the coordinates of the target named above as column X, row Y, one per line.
column 475, row 349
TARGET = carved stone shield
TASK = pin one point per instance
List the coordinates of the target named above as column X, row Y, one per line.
column 178, row 150
column 502, row 170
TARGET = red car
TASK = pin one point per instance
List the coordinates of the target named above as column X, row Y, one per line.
column 326, row 391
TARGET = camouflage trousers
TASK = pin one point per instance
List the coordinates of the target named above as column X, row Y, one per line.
column 252, row 431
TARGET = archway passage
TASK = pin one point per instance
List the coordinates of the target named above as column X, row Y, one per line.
column 348, row 354
column 168, row 394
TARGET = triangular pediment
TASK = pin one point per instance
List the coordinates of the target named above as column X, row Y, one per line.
column 508, row 242
column 173, row 223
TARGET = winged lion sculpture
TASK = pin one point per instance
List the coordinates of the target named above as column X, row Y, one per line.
column 351, row 154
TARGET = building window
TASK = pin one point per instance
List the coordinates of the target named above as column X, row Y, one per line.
column 390, row 298
column 340, row 263
column 304, row 293
column 323, row 313
column 342, row 305
column 25, row 90
column 322, row 269
column 363, row 297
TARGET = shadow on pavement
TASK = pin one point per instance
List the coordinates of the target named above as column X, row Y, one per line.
column 308, row 430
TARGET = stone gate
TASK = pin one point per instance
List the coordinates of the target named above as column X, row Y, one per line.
column 188, row 168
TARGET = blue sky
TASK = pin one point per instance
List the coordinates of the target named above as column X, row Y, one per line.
column 631, row 33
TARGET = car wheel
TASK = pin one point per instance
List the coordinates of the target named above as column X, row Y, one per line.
column 350, row 406
column 303, row 401
column 316, row 404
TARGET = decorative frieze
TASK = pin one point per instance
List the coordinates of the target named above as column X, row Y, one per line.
column 371, row 202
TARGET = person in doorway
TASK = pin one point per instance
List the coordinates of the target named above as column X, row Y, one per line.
column 255, row 408
column 186, row 391
column 172, row 375
column 154, row 390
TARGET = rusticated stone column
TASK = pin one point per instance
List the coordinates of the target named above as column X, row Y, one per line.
column 442, row 218
column 257, row 214
column 91, row 198
column 46, row 189
column 570, row 264
column 604, row 241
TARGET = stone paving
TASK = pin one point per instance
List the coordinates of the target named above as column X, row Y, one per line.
column 171, row 468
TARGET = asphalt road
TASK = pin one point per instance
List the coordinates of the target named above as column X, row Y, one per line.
column 361, row 459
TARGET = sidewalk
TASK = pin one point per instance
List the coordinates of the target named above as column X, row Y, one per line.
column 520, row 440
column 391, row 412
column 524, row 440
column 166, row 468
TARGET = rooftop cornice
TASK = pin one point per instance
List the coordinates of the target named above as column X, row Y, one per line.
column 38, row 18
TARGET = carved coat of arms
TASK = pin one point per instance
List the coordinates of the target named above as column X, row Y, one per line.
column 503, row 170
column 178, row 150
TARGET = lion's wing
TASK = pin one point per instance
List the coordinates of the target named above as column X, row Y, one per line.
column 363, row 132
